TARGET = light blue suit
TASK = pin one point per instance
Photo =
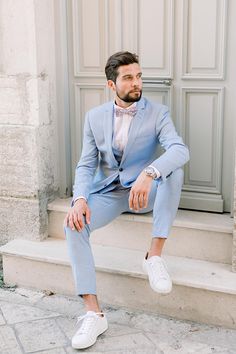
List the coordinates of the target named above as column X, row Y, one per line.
column 105, row 179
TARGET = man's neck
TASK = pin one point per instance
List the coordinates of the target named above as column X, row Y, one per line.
column 123, row 104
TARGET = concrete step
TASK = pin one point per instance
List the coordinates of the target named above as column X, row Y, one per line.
column 198, row 235
column 202, row 291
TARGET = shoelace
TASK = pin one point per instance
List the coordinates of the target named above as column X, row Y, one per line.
column 88, row 321
column 162, row 272
column 119, row 112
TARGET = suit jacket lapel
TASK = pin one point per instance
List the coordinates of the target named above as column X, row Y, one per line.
column 108, row 129
column 135, row 125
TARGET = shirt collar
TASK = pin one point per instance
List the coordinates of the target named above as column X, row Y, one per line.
column 133, row 105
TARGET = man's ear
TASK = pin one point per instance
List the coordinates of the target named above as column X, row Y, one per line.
column 111, row 85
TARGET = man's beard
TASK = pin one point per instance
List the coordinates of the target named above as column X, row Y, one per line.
column 128, row 98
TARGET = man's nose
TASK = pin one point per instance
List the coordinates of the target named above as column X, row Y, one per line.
column 136, row 82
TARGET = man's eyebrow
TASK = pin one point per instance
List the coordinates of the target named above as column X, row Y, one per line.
column 128, row 75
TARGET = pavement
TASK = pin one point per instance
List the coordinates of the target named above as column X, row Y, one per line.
column 41, row 322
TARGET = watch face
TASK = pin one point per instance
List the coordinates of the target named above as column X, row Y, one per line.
column 150, row 171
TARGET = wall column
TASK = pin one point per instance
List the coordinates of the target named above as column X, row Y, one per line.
column 28, row 129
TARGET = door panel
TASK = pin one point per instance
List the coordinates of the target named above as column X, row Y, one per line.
column 203, row 120
column 184, row 51
column 204, row 39
column 156, row 51
column 89, row 37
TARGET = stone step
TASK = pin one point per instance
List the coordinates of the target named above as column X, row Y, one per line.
column 198, row 235
column 202, row 291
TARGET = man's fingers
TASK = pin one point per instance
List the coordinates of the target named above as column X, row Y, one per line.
column 145, row 200
column 71, row 223
column 87, row 215
column 77, row 221
column 141, row 200
column 131, row 206
column 136, row 202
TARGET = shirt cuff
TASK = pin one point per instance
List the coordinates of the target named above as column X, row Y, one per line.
column 79, row 197
column 158, row 175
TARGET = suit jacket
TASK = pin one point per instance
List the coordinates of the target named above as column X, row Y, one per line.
column 151, row 126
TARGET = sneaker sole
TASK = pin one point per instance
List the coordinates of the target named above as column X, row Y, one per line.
column 89, row 345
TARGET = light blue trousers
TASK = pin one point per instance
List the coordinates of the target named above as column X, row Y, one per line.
column 105, row 207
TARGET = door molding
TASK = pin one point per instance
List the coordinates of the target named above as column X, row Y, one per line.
column 203, row 184
column 62, row 89
column 210, row 68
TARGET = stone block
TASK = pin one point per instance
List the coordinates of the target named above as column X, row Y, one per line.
column 65, row 305
column 132, row 342
column 18, row 37
column 11, row 105
column 48, row 173
column 20, row 296
column 54, row 351
column 40, row 335
column 18, row 165
column 214, row 337
column 19, row 100
column 22, row 218
column 16, row 313
column 8, row 342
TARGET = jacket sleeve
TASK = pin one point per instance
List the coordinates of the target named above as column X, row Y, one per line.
column 176, row 152
column 87, row 164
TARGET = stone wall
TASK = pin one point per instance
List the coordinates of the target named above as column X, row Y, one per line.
column 28, row 131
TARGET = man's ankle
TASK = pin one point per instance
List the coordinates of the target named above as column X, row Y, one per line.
column 151, row 254
column 91, row 303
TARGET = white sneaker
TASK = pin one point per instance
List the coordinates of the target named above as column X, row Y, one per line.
column 159, row 278
column 92, row 326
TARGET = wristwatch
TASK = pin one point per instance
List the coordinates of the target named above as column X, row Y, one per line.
column 150, row 171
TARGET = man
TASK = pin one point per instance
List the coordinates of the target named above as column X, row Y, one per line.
column 118, row 172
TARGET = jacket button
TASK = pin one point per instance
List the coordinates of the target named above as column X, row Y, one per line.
column 121, row 169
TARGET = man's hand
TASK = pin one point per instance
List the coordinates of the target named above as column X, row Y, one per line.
column 75, row 215
column 139, row 192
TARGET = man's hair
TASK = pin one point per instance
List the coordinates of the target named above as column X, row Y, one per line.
column 116, row 60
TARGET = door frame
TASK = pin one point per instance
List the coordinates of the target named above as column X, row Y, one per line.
column 63, row 99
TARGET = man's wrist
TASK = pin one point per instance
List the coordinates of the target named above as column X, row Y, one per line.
column 79, row 198
column 150, row 172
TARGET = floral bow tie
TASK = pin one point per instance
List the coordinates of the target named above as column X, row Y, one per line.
column 119, row 112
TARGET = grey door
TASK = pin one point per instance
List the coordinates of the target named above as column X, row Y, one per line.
column 187, row 52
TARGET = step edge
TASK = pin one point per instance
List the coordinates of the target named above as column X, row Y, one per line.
column 105, row 269
column 177, row 223
column 57, row 206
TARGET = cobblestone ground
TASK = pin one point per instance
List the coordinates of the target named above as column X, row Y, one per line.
column 36, row 322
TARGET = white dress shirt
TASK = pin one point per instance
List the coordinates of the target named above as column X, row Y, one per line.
column 121, row 128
